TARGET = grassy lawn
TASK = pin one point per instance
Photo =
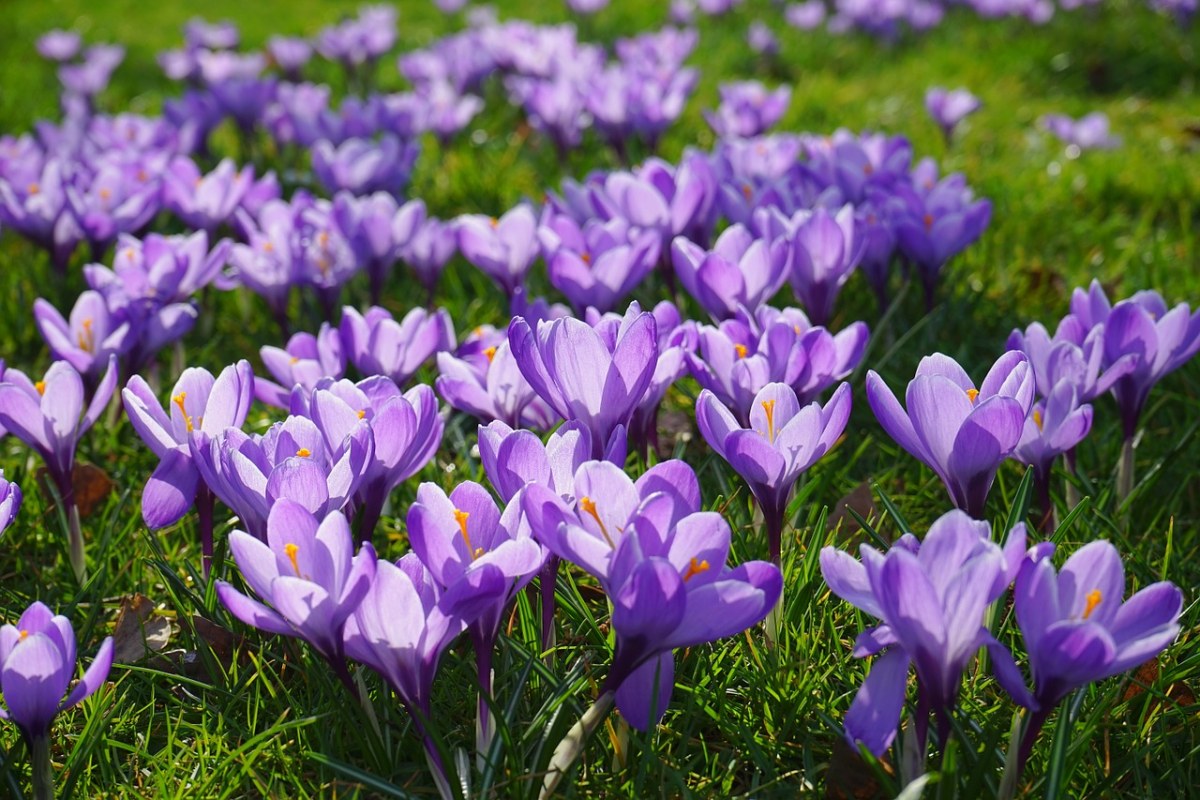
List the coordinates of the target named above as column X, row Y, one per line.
column 228, row 712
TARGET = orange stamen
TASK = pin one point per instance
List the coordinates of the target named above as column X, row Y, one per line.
column 490, row 353
column 694, row 569
column 292, row 550
column 1037, row 418
column 40, row 386
column 741, row 350
column 1093, row 599
column 304, row 452
column 461, row 518
column 769, row 409
column 589, row 507
column 178, row 401
column 972, row 394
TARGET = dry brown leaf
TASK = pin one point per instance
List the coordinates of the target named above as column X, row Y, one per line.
column 92, row 486
column 848, row 778
column 861, row 500
column 139, row 631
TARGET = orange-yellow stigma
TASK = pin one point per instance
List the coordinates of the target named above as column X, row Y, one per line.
column 130, row 253
column 585, row 257
column 304, row 452
column 87, row 337
column 747, row 191
column 294, row 360
column 769, row 409
column 22, row 636
column 460, row 517
column 1037, row 418
column 33, row 188
column 495, row 223
column 589, row 507
column 694, row 569
column 972, row 394
column 268, row 247
column 490, row 353
column 868, row 169
column 1093, row 599
column 40, row 386
column 105, row 193
column 928, row 220
column 741, row 350
column 362, row 413
column 292, row 550
column 178, row 401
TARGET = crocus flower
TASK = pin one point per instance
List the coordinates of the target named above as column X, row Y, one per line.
column 363, row 166
column 111, row 201
column 37, row 664
column 584, row 376
column 938, row 225
column 739, row 271
column 464, row 532
column 432, row 245
column 805, row 16
column 504, row 248
column 824, row 255
column 948, row 107
column 205, row 201
column 498, row 392
column 305, row 360
column 762, row 39
column 307, row 572
column 158, row 270
column 1064, row 358
column 377, row 344
column 200, row 403
column 960, row 432
column 37, row 209
column 1055, row 426
column 375, row 228
column 58, row 45
column 1089, row 132
column 1078, row 629
column 747, row 109
column 513, row 458
column 598, row 263
column 290, row 54
column 90, row 338
column 783, row 441
column 46, row 416
column 930, row 597
column 10, row 502
column 405, row 426
column 404, row 625
column 90, row 76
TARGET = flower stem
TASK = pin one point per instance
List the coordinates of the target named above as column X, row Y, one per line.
column 204, row 514
column 573, row 744
column 1073, row 498
column 548, row 579
column 75, row 541
column 1032, row 728
column 43, row 772
column 1125, row 470
column 485, row 726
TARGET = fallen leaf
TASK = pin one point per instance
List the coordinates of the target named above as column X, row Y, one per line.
column 848, row 777
column 139, row 631
column 92, row 486
column 861, row 500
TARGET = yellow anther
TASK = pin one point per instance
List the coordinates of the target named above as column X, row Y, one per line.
column 928, row 220
column 40, row 386
column 740, row 349
column 972, row 394
column 1037, row 418
column 1093, row 599
column 490, row 353
column 769, row 409
column 178, row 401
column 478, row 552
column 105, row 193
column 292, row 550
column 130, row 253
column 362, row 413
column 33, row 188
column 22, row 636
column 495, row 223
column 589, row 507
column 747, row 191
column 694, row 569
column 304, row 452
column 868, row 169
column 294, row 360
column 142, row 176
column 461, row 517
column 268, row 247
column 323, row 239
column 87, row 337
column 585, row 257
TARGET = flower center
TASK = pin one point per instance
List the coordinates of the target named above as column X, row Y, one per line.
column 495, row 223
column 460, row 517
column 22, row 636
column 694, row 569
column 33, row 188
column 585, row 257
column 747, row 191
column 292, row 550
column 928, row 220
column 304, row 452
column 972, row 394
column 362, row 413
column 741, row 350
column 1093, row 599
column 769, row 409
column 868, row 169
column 87, row 337
column 178, row 401
column 1037, row 418
column 589, row 507
column 40, row 386
column 490, row 353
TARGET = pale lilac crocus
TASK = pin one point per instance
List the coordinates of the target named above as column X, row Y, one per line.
column 377, row 344
column 204, row 201
column 948, row 107
column 1055, row 425
column 91, row 336
column 432, row 245
column 503, row 249
column 824, row 253
column 50, row 417
column 498, row 392
column 37, row 664
column 303, row 361
column 748, row 108
column 782, row 441
column 595, row 264
column 741, row 271
column 960, row 432
column 10, row 502
column 1089, row 132
column 59, row 45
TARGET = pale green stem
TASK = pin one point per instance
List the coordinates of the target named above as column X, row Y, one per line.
column 43, row 772
column 1125, row 471
column 573, row 744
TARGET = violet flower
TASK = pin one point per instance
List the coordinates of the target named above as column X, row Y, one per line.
column 198, row 402
column 37, row 209
column 740, row 271
column 1089, row 132
column 825, row 253
column 377, row 344
column 307, row 572
column 783, row 441
column 930, row 597
column 158, row 270
column 290, row 54
column 586, row 377
column 375, row 227
column 747, row 109
column 304, row 361
column 503, row 249
column 1063, row 358
column 10, row 502
column 1055, row 425
column 46, row 416
column 91, row 337
column 205, row 201
column 948, row 107
column 1078, row 629
column 596, row 264
column 37, row 665
column 363, row 166
column 498, row 392
column 432, row 245
column 960, row 432
column 59, row 45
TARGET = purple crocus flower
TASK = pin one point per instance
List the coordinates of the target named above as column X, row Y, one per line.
column 762, row 39
column 432, row 245
column 805, row 16
column 377, row 344
column 1078, row 629
column 464, row 532
column 497, row 392
column 250, row 473
column 59, row 45
column 223, row 35
column 1089, row 132
column 46, row 416
column 1055, row 425
column 363, row 166
column 513, row 458
column 405, row 426
column 747, row 109
column 304, row 361
column 307, row 572
column 200, row 403
column 91, row 337
column 930, row 597
column 235, row 82
column 584, row 376
column 935, row 226
column 290, row 54
column 205, row 201
column 10, row 502
column 740, row 271
column 37, row 665
column 90, row 77
column 375, row 228
column 404, row 625
column 37, row 209
column 598, row 263
column 111, row 200
column 1074, row 354
column 960, row 432
column 948, row 107
column 503, row 249
column 783, row 441
column 158, row 270
column 824, row 255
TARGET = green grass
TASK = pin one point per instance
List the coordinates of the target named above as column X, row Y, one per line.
column 243, row 715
